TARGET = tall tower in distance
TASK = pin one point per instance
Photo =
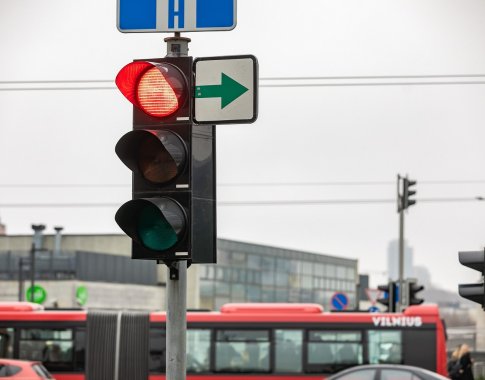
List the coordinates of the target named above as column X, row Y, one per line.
column 393, row 260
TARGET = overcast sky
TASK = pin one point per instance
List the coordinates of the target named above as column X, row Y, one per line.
column 318, row 143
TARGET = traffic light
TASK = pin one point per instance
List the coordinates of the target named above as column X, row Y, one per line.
column 172, row 214
column 405, row 192
column 413, row 289
column 389, row 297
column 408, row 192
column 476, row 261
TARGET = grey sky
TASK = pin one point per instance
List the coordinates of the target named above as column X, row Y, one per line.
column 304, row 134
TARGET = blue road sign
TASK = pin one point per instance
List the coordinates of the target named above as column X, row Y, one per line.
column 374, row 309
column 175, row 15
column 339, row 301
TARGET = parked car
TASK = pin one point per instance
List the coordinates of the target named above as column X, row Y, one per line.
column 23, row 370
column 386, row 372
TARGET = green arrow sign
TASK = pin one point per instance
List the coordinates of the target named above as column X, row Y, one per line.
column 229, row 90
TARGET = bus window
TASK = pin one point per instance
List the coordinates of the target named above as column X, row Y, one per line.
column 6, row 343
column 331, row 351
column 288, row 351
column 80, row 350
column 53, row 347
column 157, row 350
column 198, row 350
column 242, row 351
column 9, row 370
column 385, row 347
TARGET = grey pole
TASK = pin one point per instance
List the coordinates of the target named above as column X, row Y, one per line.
column 32, row 272
column 176, row 365
column 36, row 246
column 401, row 304
column 176, row 321
column 21, row 279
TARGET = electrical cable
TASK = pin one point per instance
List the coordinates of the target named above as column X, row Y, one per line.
column 247, row 184
column 283, row 85
column 254, row 203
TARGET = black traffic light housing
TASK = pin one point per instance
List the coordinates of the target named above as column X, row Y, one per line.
column 473, row 292
column 389, row 296
column 172, row 214
column 413, row 290
column 405, row 192
column 408, row 192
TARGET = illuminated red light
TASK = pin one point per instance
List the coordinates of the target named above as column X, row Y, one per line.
column 159, row 90
column 155, row 95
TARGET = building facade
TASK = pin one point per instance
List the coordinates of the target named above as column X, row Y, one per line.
column 256, row 273
column 100, row 266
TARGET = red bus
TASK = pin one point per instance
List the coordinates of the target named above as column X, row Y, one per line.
column 242, row 341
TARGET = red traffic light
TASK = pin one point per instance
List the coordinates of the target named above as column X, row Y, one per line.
column 158, row 89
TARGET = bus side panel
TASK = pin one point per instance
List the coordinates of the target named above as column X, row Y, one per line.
column 442, row 357
column 70, row 376
column 420, row 348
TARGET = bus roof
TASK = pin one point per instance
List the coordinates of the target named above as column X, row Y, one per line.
column 241, row 312
column 272, row 308
column 20, row 306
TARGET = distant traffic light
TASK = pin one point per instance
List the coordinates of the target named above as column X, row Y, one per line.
column 406, row 192
column 172, row 214
column 473, row 292
column 389, row 296
column 413, row 289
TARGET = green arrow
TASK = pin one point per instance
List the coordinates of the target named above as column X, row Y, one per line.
column 229, row 90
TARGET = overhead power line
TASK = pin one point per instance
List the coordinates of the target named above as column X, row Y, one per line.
column 347, row 183
column 311, row 81
column 372, row 84
column 245, row 184
column 63, row 185
column 302, row 85
column 252, row 203
column 55, row 88
column 363, row 77
column 342, row 201
column 56, row 81
column 342, row 77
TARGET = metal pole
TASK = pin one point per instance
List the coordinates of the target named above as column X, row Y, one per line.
column 401, row 304
column 21, row 279
column 36, row 246
column 176, row 365
column 32, row 272
column 176, row 321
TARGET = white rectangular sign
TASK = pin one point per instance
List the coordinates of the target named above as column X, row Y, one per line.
column 226, row 90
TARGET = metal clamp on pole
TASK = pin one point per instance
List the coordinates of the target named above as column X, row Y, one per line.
column 173, row 271
column 177, row 46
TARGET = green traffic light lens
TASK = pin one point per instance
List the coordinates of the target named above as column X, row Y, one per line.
column 154, row 230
